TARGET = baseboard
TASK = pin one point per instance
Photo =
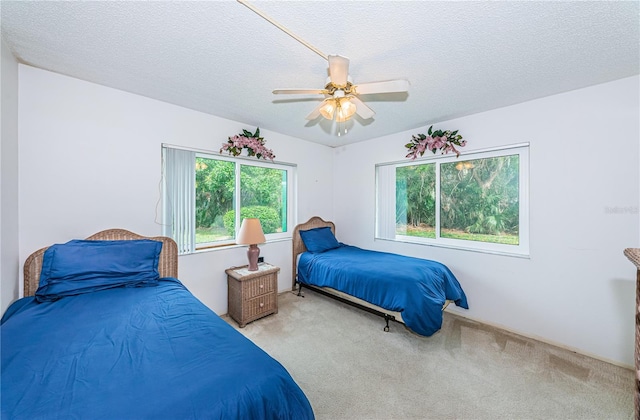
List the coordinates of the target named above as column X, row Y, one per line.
column 542, row 340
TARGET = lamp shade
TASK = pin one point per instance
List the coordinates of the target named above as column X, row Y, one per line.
column 250, row 232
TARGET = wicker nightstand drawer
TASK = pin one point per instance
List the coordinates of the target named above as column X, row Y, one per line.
column 257, row 307
column 252, row 294
column 259, row 286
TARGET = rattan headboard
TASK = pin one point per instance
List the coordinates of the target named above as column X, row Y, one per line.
column 167, row 265
column 298, row 246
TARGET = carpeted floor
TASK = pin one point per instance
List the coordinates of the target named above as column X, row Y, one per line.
column 349, row 368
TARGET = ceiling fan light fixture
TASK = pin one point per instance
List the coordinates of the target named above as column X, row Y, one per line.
column 327, row 110
column 345, row 109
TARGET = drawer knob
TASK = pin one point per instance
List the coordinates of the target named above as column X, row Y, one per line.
column 262, row 286
column 261, row 304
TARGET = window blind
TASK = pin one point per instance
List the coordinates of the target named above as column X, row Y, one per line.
column 178, row 215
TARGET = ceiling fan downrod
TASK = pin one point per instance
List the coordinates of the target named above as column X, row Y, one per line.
column 283, row 29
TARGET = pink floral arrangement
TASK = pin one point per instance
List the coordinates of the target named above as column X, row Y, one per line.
column 445, row 141
column 252, row 142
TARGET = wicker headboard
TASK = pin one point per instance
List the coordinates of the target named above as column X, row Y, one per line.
column 167, row 265
column 298, row 246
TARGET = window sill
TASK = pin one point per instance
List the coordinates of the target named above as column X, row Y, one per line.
column 459, row 248
column 231, row 246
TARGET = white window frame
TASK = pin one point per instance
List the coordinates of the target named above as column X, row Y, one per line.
column 291, row 170
column 386, row 202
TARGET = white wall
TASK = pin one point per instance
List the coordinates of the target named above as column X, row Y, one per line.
column 9, row 264
column 576, row 289
column 90, row 160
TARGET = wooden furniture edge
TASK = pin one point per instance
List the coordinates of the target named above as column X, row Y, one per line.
column 633, row 254
column 636, row 397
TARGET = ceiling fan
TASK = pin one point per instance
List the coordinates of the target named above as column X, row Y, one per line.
column 342, row 100
column 341, row 95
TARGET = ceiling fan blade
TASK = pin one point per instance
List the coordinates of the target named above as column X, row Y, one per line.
column 361, row 109
column 388, row 86
column 300, row 91
column 338, row 70
column 316, row 111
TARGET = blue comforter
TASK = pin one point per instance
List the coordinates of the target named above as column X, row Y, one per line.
column 134, row 353
column 414, row 287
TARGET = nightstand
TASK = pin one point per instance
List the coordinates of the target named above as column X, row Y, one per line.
column 252, row 294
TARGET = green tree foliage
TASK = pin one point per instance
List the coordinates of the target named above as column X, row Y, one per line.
column 269, row 218
column 480, row 196
column 416, row 195
column 262, row 195
column 477, row 197
column 214, row 190
column 261, row 186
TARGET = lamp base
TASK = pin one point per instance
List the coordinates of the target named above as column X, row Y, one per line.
column 253, row 253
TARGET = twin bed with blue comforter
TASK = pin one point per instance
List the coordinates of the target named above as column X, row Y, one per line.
column 107, row 331
column 410, row 290
column 110, row 335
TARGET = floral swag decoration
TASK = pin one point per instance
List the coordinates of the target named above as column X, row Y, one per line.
column 252, row 142
column 445, row 141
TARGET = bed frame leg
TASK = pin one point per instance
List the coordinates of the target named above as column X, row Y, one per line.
column 387, row 318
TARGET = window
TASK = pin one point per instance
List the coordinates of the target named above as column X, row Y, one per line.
column 206, row 196
column 476, row 201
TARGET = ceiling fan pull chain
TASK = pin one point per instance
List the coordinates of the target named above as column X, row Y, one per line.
column 283, row 29
column 341, row 128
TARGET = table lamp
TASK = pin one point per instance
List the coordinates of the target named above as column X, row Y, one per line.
column 251, row 234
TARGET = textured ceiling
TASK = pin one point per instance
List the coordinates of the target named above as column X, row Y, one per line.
column 221, row 58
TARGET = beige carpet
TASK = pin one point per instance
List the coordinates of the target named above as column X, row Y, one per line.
column 350, row 369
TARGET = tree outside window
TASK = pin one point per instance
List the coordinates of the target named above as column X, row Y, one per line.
column 262, row 192
column 454, row 202
column 479, row 200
